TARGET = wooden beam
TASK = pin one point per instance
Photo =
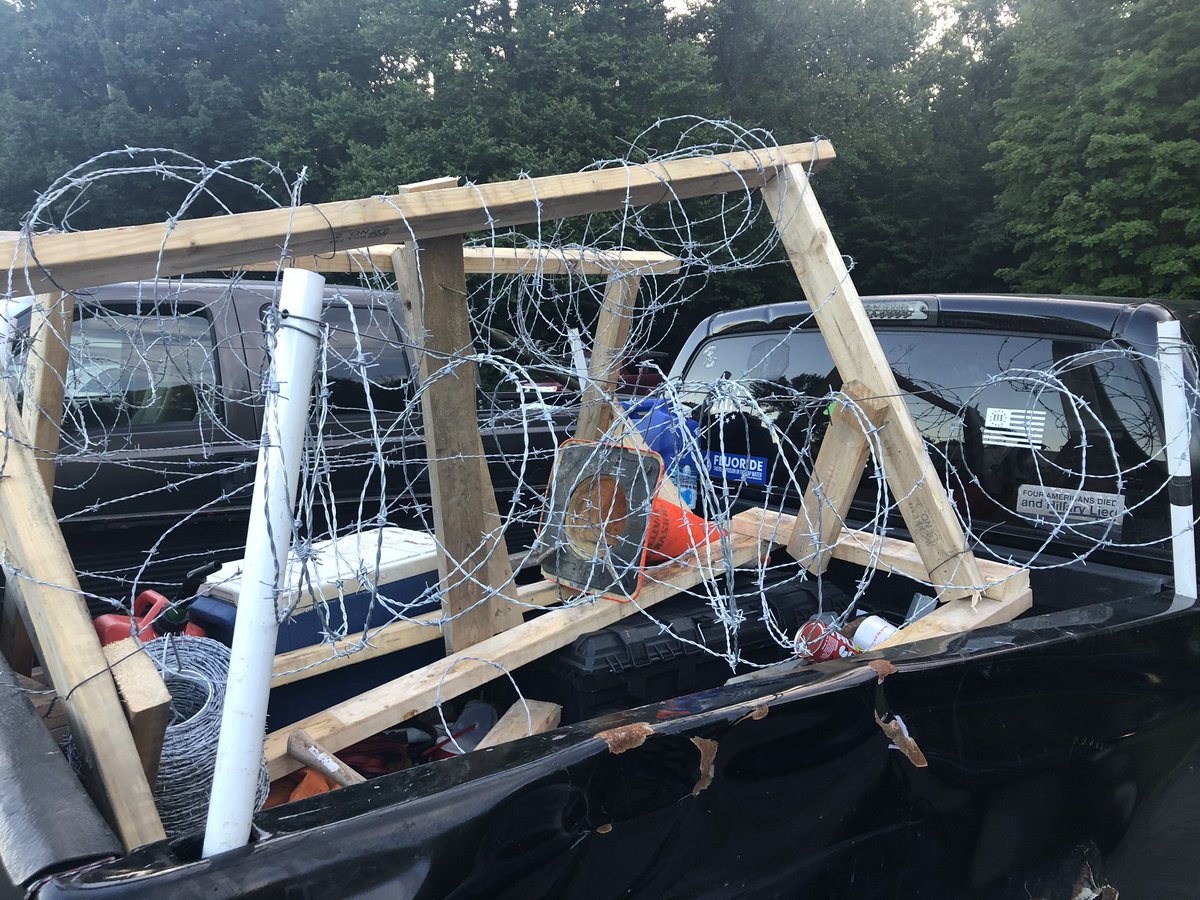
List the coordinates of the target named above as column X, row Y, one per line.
column 959, row 616
column 408, row 695
column 317, row 659
column 490, row 261
column 856, row 351
column 146, row 700
column 837, row 472
column 997, row 580
column 608, row 355
column 45, row 380
column 72, row 656
column 472, row 553
column 521, row 720
column 88, row 258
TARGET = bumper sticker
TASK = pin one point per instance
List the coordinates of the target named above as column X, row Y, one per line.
column 735, row 467
column 1014, row 427
column 1070, row 505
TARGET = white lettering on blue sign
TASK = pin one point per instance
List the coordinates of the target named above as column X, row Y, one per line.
column 734, row 466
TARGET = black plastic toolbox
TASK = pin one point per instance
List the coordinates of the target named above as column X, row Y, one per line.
column 639, row 661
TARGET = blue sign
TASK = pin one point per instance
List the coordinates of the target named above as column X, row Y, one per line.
column 735, row 467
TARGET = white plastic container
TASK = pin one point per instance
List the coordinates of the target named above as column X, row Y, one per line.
column 872, row 631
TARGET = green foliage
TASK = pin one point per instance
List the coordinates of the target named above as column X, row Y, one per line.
column 79, row 77
column 1099, row 148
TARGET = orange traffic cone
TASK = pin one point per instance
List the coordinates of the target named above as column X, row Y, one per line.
column 674, row 530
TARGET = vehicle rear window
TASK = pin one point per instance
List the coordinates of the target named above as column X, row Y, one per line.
column 363, row 357
column 1010, row 448
column 129, row 369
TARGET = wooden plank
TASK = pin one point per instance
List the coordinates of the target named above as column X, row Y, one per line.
column 88, row 258
column 959, row 616
column 405, row 697
column 521, row 720
column 836, row 474
column 46, row 378
column 308, row 752
column 72, row 656
column 490, row 261
column 997, row 580
column 608, row 355
column 146, row 700
column 856, row 351
column 305, row 662
column 472, row 553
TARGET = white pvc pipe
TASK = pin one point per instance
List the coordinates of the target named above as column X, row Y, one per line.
column 1177, row 422
column 285, row 417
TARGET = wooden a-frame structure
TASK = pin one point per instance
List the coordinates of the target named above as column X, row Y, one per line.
column 431, row 268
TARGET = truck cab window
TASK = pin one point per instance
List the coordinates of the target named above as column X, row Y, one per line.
column 1011, row 449
column 364, row 357
column 137, row 370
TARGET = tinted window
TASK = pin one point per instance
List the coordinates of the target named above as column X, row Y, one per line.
column 1014, row 445
column 140, row 370
column 363, row 357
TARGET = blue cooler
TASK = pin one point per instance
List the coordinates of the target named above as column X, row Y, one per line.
column 331, row 592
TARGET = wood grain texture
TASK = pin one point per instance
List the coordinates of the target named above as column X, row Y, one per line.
column 473, row 555
column 290, row 665
column 45, row 381
column 489, row 261
column 608, row 355
column 408, row 695
column 46, row 378
column 837, row 472
column 998, row 580
column 307, row 752
column 856, row 351
column 146, row 700
column 72, row 656
column 105, row 256
column 522, row 720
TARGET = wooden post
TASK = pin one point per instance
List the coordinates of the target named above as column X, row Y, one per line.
column 45, row 379
column 836, row 474
column 608, row 351
column 472, row 553
column 855, row 349
column 71, row 651
column 146, row 700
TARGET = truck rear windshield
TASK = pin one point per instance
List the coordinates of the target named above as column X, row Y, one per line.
column 1081, row 447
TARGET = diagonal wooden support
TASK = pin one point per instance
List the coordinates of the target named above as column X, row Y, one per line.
column 72, row 655
column 406, row 696
column 844, row 451
column 45, row 379
column 604, row 368
column 472, row 553
column 855, row 349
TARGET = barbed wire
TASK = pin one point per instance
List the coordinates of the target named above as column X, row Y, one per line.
column 167, row 378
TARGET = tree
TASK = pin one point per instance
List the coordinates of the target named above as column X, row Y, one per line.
column 910, row 118
column 483, row 90
column 79, row 77
column 1099, row 148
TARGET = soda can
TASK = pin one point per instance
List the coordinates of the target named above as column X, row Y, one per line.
column 820, row 641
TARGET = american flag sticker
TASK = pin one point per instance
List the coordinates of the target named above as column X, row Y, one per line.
column 1014, row 427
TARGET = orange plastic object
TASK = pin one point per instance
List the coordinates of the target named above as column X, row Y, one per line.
column 674, row 531
column 113, row 627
